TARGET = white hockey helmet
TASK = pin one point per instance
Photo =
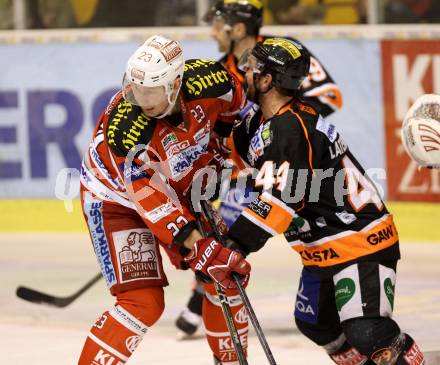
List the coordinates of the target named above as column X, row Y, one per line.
column 421, row 131
column 155, row 64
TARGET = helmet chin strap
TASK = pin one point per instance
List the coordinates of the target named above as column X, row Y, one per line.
column 170, row 103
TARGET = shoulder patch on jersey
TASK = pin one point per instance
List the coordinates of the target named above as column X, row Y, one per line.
column 127, row 127
column 327, row 128
column 205, row 79
column 262, row 138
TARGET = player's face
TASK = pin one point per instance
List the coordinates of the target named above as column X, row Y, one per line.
column 220, row 32
column 250, row 83
column 152, row 100
column 252, row 68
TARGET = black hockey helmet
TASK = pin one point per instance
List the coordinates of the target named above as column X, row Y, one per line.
column 286, row 60
column 249, row 12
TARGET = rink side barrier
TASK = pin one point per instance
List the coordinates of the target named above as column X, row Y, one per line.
column 121, row 35
column 46, row 121
column 415, row 221
column 394, row 55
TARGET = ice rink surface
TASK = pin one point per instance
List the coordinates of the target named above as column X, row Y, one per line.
column 59, row 264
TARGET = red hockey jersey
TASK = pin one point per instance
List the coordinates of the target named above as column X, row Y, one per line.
column 147, row 164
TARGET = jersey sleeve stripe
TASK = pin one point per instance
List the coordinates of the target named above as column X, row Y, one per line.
column 269, row 197
column 275, row 220
column 107, row 347
column 226, row 334
column 258, row 221
column 128, row 321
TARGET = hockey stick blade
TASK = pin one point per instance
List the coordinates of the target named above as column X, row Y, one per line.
column 35, row 296
column 38, row 297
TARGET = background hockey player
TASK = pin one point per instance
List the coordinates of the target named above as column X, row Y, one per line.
column 155, row 134
column 308, row 179
column 235, row 26
column 421, row 131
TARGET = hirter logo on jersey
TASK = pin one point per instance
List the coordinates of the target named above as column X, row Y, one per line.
column 203, row 78
column 137, row 255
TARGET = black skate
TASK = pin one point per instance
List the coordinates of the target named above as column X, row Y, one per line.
column 188, row 322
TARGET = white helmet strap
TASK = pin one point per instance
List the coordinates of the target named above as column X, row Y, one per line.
column 171, row 102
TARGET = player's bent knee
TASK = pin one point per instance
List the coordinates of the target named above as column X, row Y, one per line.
column 145, row 304
column 368, row 335
column 319, row 334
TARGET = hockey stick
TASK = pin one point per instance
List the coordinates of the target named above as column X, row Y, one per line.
column 227, row 313
column 38, row 297
column 244, row 297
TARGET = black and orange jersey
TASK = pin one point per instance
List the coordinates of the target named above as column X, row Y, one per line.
column 318, row 89
column 309, row 185
column 148, row 164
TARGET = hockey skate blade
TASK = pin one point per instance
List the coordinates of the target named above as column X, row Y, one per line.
column 34, row 296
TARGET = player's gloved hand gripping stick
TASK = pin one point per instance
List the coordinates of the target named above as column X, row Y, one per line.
column 207, row 212
column 235, row 338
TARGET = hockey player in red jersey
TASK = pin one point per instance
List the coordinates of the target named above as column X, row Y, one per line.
column 164, row 125
column 236, row 27
column 310, row 186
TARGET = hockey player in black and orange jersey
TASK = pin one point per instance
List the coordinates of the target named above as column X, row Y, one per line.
column 309, row 185
column 154, row 136
column 236, row 27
